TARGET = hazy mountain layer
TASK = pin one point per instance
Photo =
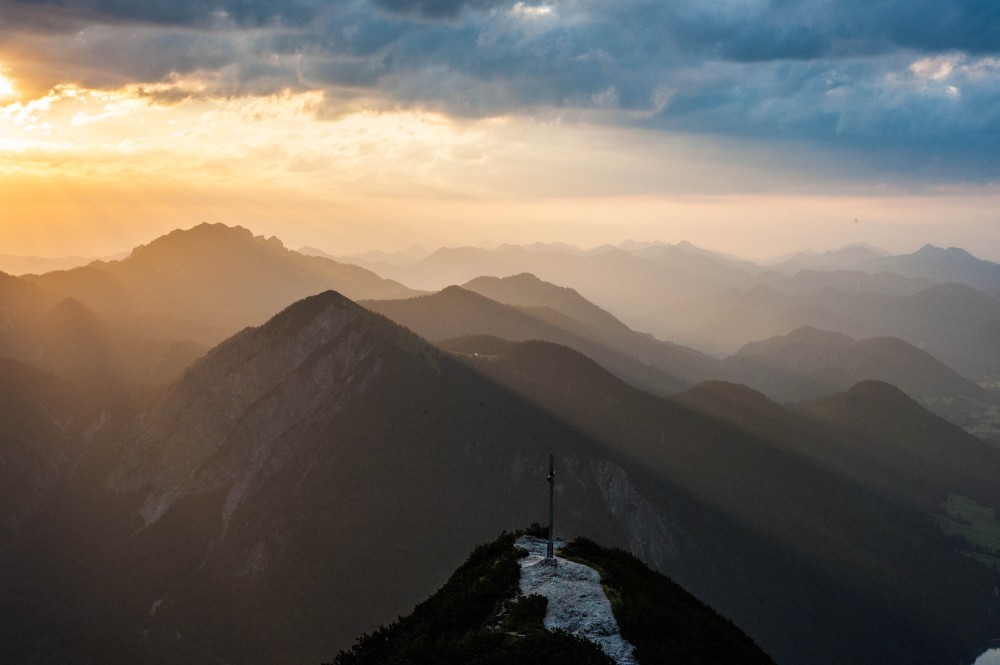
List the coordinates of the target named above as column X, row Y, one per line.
column 617, row 280
column 69, row 339
column 21, row 265
column 596, row 324
column 456, row 312
column 850, row 257
column 633, row 278
column 943, row 320
column 207, row 282
column 941, row 265
column 810, row 363
column 43, row 421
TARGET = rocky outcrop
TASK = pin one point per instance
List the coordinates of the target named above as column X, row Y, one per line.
column 576, row 602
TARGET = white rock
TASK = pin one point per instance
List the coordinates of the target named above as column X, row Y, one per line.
column 577, row 602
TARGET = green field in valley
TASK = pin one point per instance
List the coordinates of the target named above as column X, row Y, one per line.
column 975, row 524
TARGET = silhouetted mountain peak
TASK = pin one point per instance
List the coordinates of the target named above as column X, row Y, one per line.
column 309, row 360
column 459, row 252
column 211, row 280
column 521, row 279
column 525, row 284
column 812, row 335
column 934, row 251
column 950, row 264
column 848, row 256
column 456, row 294
column 203, row 239
column 527, row 290
column 809, row 362
column 71, row 312
column 875, row 404
column 454, row 291
column 724, row 391
column 881, row 391
column 299, row 314
column 952, row 292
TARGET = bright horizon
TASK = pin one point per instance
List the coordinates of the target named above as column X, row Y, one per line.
column 379, row 125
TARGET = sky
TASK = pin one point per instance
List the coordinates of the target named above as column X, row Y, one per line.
column 748, row 126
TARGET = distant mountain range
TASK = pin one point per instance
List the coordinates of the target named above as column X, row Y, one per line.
column 805, row 364
column 143, row 319
column 458, row 312
column 527, row 291
column 622, row 282
column 697, row 298
column 63, row 336
column 809, row 363
column 849, row 257
column 942, row 265
column 21, row 265
column 717, row 305
column 944, row 320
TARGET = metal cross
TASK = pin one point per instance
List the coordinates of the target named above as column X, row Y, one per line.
column 549, row 553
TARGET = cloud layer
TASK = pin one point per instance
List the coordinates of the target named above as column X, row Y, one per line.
column 911, row 88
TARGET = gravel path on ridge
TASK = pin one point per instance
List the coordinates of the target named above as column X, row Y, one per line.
column 577, row 603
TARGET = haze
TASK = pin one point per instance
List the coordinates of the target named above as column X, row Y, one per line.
column 750, row 128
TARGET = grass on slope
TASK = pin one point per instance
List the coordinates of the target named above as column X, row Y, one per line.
column 663, row 621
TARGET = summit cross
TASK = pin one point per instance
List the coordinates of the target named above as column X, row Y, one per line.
column 549, row 549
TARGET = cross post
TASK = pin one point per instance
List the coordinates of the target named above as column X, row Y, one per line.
column 549, row 549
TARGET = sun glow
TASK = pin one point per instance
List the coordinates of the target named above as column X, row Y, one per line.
column 6, row 88
column 79, row 163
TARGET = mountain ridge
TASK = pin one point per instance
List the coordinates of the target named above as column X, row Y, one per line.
column 810, row 362
column 457, row 312
column 480, row 616
column 213, row 280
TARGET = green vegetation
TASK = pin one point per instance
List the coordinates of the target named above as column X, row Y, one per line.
column 973, row 526
column 662, row 620
column 477, row 618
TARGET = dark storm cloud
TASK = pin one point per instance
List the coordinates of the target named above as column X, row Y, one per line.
column 203, row 13
column 828, row 72
column 438, row 8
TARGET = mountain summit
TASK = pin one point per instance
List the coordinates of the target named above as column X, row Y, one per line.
column 213, row 280
column 506, row 605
